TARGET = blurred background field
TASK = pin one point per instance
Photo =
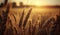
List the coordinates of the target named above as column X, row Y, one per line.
column 37, row 16
column 29, row 19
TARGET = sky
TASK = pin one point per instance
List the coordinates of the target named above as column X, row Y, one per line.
column 36, row 2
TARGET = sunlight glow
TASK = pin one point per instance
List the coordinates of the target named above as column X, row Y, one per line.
column 30, row 2
column 38, row 2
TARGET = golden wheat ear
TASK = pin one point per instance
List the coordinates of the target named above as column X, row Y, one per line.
column 21, row 19
column 26, row 18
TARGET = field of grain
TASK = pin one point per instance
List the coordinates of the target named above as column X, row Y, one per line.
column 28, row 21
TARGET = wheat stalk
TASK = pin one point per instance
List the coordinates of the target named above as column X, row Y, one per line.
column 21, row 19
column 26, row 18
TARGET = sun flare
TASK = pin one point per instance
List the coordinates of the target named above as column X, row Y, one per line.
column 37, row 3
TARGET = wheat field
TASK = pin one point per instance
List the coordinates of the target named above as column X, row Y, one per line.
column 28, row 21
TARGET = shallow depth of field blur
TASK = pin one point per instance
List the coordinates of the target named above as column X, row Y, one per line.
column 29, row 19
